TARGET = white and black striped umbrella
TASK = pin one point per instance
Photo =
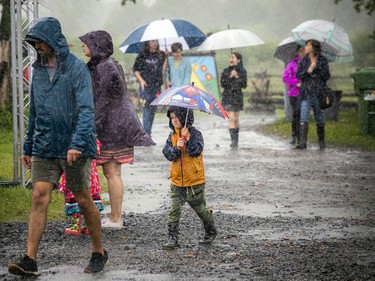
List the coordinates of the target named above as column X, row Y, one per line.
column 167, row 32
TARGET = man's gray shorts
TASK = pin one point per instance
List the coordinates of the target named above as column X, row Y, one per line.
column 50, row 170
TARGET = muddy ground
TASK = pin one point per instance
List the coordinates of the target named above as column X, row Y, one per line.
column 282, row 214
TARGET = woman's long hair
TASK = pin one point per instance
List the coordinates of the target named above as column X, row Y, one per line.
column 146, row 48
column 317, row 46
column 239, row 57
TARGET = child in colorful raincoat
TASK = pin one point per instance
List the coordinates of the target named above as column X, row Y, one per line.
column 71, row 206
column 184, row 148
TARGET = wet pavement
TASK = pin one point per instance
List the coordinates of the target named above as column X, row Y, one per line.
column 282, row 214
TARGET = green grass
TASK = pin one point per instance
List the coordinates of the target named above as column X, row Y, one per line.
column 15, row 204
column 6, row 155
column 342, row 133
column 15, row 201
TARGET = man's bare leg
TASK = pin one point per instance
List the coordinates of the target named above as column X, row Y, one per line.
column 41, row 197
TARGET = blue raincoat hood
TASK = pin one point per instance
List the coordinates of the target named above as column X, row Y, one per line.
column 61, row 112
column 49, row 31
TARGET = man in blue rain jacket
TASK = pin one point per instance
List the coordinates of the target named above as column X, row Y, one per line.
column 60, row 138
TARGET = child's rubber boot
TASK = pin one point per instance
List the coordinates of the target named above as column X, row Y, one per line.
column 75, row 229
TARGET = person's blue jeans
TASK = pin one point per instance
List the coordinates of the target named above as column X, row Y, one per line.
column 148, row 117
column 149, row 94
column 311, row 101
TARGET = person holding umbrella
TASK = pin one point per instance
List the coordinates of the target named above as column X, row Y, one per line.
column 184, row 148
column 149, row 69
column 290, row 79
column 233, row 80
column 117, row 125
column 313, row 71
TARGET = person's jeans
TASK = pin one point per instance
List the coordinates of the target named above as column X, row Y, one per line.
column 295, row 103
column 311, row 101
column 148, row 117
column 148, row 95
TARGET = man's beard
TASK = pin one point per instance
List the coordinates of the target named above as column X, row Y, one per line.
column 46, row 55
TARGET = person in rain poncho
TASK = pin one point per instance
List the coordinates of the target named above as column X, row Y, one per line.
column 290, row 79
column 184, row 148
column 233, row 80
column 116, row 121
column 60, row 138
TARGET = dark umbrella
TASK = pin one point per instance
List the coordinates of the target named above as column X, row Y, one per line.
column 286, row 50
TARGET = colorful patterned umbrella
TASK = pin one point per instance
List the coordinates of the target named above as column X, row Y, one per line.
column 190, row 97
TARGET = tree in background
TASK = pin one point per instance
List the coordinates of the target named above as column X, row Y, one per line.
column 5, row 57
column 366, row 5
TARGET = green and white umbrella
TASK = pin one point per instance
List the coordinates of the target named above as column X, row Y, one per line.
column 335, row 41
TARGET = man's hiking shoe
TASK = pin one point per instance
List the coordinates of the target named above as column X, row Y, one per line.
column 97, row 262
column 27, row 267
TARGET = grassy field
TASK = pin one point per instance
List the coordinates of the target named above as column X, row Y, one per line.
column 342, row 133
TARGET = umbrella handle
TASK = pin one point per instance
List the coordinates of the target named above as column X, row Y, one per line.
column 187, row 114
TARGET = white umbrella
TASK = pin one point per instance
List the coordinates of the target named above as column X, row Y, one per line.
column 335, row 41
column 230, row 39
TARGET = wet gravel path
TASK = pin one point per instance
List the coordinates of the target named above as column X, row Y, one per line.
column 282, row 214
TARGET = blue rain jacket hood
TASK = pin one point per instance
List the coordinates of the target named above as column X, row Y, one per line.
column 62, row 108
column 49, row 31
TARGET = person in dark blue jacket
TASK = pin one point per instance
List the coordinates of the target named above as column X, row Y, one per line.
column 233, row 80
column 60, row 138
column 313, row 71
column 149, row 68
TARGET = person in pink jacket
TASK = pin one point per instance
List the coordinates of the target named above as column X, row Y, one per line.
column 290, row 79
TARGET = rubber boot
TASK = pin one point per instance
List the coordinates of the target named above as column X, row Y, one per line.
column 295, row 132
column 320, row 133
column 234, row 137
column 303, row 130
column 75, row 229
column 172, row 242
column 210, row 232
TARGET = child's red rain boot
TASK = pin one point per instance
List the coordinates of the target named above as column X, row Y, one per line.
column 75, row 229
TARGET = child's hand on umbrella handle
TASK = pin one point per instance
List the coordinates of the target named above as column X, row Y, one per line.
column 181, row 143
column 184, row 133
